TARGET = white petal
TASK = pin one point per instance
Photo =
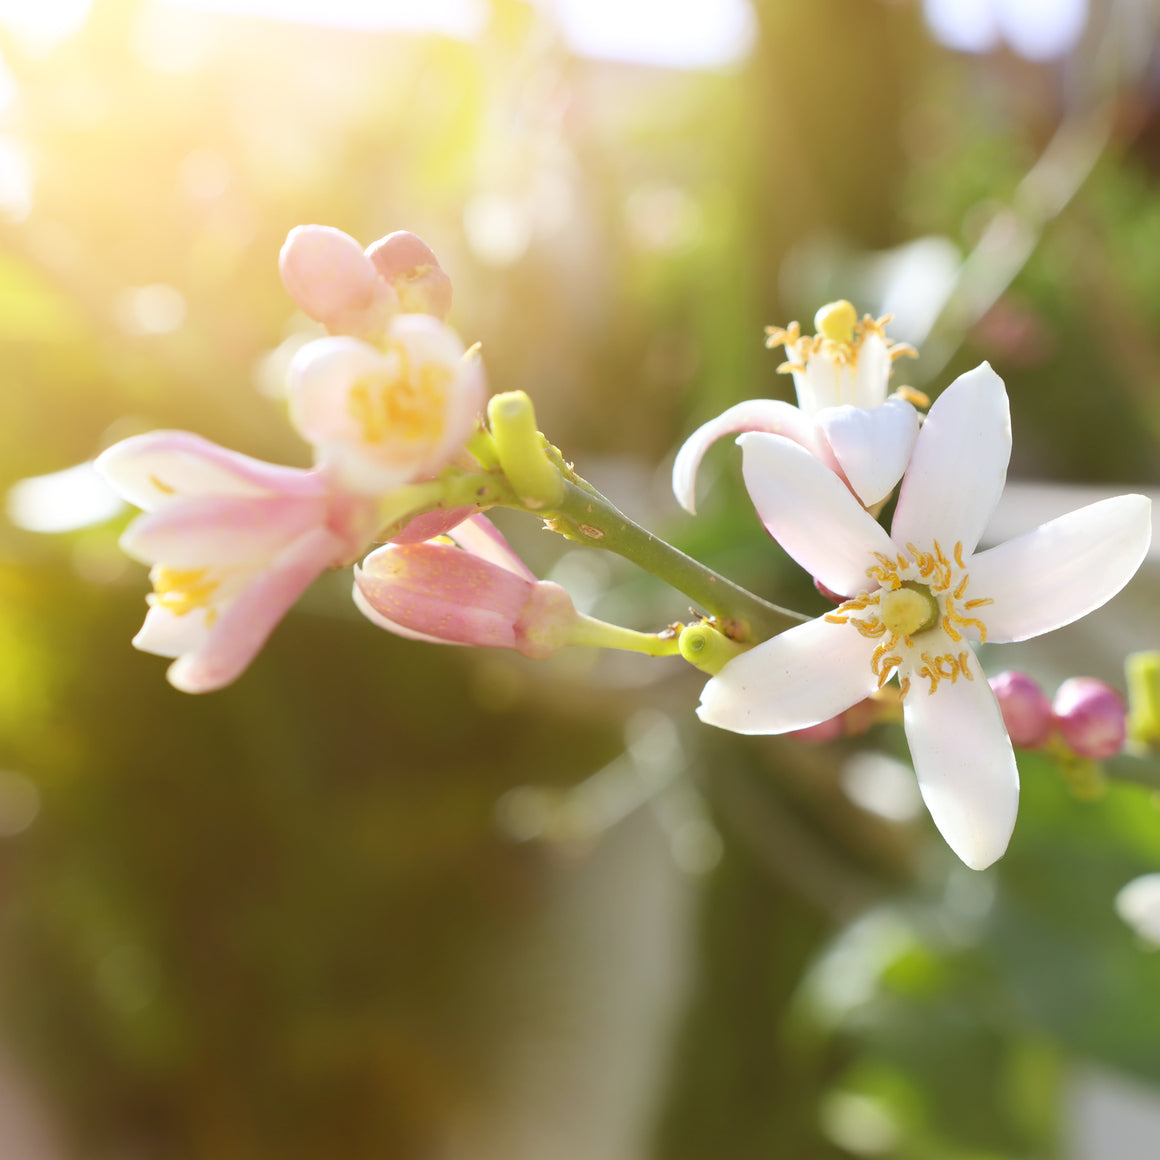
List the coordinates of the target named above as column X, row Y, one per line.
column 1063, row 570
column 806, row 675
column 872, row 447
column 811, row 513
column 1138, row 904
column 165, row 635
column 771, row 415
column 151, row 470
column 958, row 465
column 872, row 373
column 824, row 384
column 965, row 765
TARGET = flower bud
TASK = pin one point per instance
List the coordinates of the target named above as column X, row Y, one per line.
column 441, row 592
column 1090, row 717
column 327, row 274
column 409, row 265
column 1025, row 707
column 824, row 731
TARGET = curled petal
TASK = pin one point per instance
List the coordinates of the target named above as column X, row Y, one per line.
column 479, row 536
column 770, row 415
column 165, row 634
column 151, row 470
column 802, row 677
column 245, row 624
column 811, row 513
column 872, row 447
column 1062, row 570
column 965, row 765
column 958, row 465
column 432, row 524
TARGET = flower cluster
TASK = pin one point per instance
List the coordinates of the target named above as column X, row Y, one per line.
column 392, row 405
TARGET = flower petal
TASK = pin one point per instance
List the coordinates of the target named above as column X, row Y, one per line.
column 1062, row 570
column 965, row 765
column 806, row 675
column 245, row 625
column 216, row 531
column 958, row 465
column 872, row 447
column 872, row 372
column 811, row 513
column 479, row 536
column 375, row 617
column 771, row 415
column 164, row 634
column 151, row 470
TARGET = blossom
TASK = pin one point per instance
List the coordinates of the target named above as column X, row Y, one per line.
column 467, row 587
column 380, row 417
column 232, row 541
column 843, row 417
column 921, row 596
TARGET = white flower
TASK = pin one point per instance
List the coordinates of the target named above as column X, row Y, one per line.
column 1138, row 904
column 843, row 417
column 922, row 596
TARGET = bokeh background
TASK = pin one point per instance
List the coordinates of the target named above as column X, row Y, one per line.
column 386, row 900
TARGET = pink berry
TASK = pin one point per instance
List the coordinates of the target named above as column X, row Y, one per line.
column 1026, row 709
column 1090, row 717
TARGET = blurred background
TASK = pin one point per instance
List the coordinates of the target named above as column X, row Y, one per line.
column 385, row 900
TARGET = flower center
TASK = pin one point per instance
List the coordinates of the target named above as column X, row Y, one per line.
column 182, row 590
column 908, row 610
column 921, row 595
column 408, row 407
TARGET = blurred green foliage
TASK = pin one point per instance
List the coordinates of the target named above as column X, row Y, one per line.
column 282, row 920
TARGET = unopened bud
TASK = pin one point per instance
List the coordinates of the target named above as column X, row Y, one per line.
column 327, row 274
column 409, row 265
column 1090, row 718
column 441, row 592
column 1025, row 707
column 824, row 731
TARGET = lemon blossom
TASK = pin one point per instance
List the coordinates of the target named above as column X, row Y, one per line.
column 843, row 417
column 920, row 598
column 383, row 416
column 232, row 541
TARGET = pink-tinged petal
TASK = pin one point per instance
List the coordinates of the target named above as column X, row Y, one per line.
column 245, row 624
column 432, row 524
column 377, row 618
column 154, row 469
column 165, row 634
column 326, row 273
column 811, row 513
column 872, row 447
column 1063, row 570
column 872, row 374
column 965, row 765
column 958, row 465
column 214, row 531
column 479, row 536
column 408, row 264
column 802, row 677
column 445, row 592
column 770, row 415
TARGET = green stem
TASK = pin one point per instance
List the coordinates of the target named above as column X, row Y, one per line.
column 585, row 516
column 592, row 633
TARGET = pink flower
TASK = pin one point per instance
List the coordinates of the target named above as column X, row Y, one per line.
column 232, row 541
column 381, row 417
column 469, row 588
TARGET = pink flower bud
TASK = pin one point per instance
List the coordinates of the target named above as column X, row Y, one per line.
column 1025, row 707
column 1090, row 717
column 479, row 593
column 409, row 265
column 327, row 274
